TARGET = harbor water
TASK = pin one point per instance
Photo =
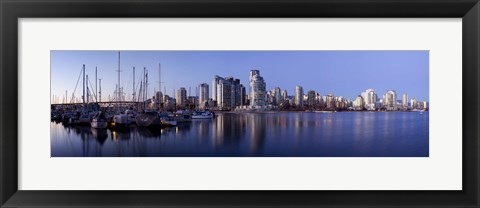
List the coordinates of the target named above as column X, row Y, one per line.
column 262, row 134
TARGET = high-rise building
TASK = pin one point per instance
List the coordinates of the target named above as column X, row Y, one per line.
column 277, row 97
column 257, row 90
column 192, row 101
column 358, row 103
column 330, row 102
column 298, row 96
column 319, row 100
column 340, row 103
column 269, row 98
column 404, row 101
column 216, row 80
column 391, row 100
column 236, row 91
column 224, row 95
column 243, row 95
column 226, row 92
column 369, row 99
column 203, row 95
column 284, row 95
column 181, row 97
column 413, row 103
column 311, row 98
column 158, row 99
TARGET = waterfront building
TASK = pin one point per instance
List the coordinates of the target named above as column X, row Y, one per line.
column 225, row 95
column 413, row 103
column 243, row 95
column 181, row 97
column 269, row 98
column 291, row 100
column 203, row 95
column 404, row 101
column 236, row 91
column 330, row 102
column 284, row 95
column 424, row 105
column 226, row 92
column 311, row 98
column 390, row 100
column 349, row 103
column 340, row 103
column 319, row 100
column 369, row 99
column 168, row 102
column 420, row 105
column 358, row 103
column 158, row 100
column 216, row 80
column 277, row 94
column 298, row 96
column 192, row 101
column 257, row 90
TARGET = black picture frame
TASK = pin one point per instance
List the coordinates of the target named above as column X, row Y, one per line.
column 10, row 10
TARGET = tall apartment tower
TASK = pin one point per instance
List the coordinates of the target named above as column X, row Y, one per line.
column 257, row 90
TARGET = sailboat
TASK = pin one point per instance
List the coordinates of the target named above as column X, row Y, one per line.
column 147, row 118
column 99, row 121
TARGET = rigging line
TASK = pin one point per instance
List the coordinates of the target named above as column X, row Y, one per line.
column 94, row 94
column 78, row 80
column 127, row 86
column 138, row 85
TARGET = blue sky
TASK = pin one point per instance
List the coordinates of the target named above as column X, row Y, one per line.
column 342, row 73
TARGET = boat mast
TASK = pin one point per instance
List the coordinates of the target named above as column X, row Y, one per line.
column 118, row 86
column 146, row 85
column 159, row 85
column 88, row 94
column 100, row 90
column 144, row 95
column 83, row 97
column 96, row 80
column 133, row 94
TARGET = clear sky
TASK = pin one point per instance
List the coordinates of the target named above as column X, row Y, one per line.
column 342, row 73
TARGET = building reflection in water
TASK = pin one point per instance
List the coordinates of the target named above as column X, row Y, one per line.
column 233, row 134
column 228, row 131
column 257, row 124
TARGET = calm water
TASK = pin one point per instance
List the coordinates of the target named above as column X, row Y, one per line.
column 285, row 134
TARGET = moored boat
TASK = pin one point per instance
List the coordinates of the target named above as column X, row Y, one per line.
column 324, row 111
column 168, row 121
column 120, row 121
column 203, row 115
column 182, row 118
column 82, row 119
column 148, row 119
column 99, row 121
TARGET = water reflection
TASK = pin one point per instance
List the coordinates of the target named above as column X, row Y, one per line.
column 100, row 135
column 283, row 134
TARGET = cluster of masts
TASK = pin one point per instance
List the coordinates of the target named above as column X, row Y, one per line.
column 89, row 95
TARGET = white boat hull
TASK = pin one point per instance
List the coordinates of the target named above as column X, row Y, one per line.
column 98, row 124
column 202, row 116
column 168, row 123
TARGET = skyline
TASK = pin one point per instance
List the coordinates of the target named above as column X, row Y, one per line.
column 341, row 73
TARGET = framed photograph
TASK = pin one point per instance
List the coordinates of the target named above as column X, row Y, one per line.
column 250, row 104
